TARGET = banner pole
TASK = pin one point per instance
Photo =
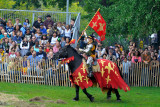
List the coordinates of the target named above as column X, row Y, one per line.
column 87, row 26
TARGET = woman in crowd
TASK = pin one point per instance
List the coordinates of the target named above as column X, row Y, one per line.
column 57, row 46
column 24, row 45
column 16, row 30
column 27, row 21
column 43, row 41
column 137, row 57
column 36, row 46
column 68, row 32
column 53, row 39
column 14, row 45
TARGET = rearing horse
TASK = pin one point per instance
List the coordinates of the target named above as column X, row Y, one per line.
column 108, row 77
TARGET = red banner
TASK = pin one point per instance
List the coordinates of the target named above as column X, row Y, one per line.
column 99, row 25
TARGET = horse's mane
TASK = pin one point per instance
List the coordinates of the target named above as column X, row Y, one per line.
column 76, row 52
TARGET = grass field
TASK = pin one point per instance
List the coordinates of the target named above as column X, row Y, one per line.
column 137, row 97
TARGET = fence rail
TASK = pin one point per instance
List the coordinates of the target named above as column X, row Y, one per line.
column 51, row 72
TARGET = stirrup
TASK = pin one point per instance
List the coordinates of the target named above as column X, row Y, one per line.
column 90, row 74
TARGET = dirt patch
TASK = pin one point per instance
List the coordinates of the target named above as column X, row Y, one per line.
column 44, row 99
column 59, row 101
column 36, row 99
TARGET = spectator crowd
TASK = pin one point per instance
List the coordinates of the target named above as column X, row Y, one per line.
column 22, row 40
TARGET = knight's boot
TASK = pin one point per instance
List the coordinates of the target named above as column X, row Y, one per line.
column 90, row 74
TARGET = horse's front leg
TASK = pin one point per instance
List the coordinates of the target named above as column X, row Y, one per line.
column 77, row 93
column 88, row 95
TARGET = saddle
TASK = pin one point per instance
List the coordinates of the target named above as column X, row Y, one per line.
column 95, row 66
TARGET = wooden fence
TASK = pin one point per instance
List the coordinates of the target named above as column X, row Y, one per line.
column 49, row 72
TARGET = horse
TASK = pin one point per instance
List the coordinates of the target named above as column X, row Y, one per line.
column 108, row 76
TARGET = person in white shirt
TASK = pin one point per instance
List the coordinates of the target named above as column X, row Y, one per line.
column 53, row 39
column 24, row 45
column 67, row 32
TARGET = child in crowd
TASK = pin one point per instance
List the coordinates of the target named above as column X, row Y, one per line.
column 49, row 28
column 9, row 29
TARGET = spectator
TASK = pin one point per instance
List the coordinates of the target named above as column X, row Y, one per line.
column 28, row 34
column 17, row 38
column 152, row 55
column 10, row 42
column 159, row 50
column 37, row 23
column 49, row 28
column 2, row 21
column 42, row 29
column 43, row 41
column 48, row 21
column 126, row 65
column 57, row 46
column 104, row 56
column 137, row 57
column 16, row 30
column 53, row 39
column 67, row 32
column 123, row 55
column 41, row 54
column 30, row 52
column 38, row 34
column 18, row 56
column 47, row 47
column 36, row 46
column 6, row 36
column 12, row 54
column 111, row 57
column 6, row 45
column 17, row 23
column 146, row 57
column 9, row 22
column 63, row 42
column 24, row 46
column 32, row 63
column 14, row 45
column 1, row 27
column 32, row 43
column 67, row 41
column 27, row 21
column 9, row 29
column 116, row 52
column 2, row 34
column 60, row 28
column 23, row 29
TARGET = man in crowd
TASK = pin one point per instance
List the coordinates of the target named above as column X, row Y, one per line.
column 48, row 21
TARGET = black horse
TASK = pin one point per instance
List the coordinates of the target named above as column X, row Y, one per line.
column 67, row 52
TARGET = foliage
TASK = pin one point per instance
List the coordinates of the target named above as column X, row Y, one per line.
column 6, row 4
column 128, row 17
column 144, row 96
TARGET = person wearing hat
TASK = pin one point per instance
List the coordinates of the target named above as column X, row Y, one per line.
column 90, row 52
column 48, row 21
column 37, row 23
column 24, row 28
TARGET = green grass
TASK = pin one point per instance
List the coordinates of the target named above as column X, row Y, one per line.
column 138, row 96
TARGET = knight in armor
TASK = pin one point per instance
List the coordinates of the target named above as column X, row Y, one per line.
column 90, row 52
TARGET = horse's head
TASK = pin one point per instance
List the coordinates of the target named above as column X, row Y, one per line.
column 62, row 53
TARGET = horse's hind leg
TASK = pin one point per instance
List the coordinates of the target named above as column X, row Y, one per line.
column 109, row 94
column 77, row 93
column 88, row 95
column 117, row 94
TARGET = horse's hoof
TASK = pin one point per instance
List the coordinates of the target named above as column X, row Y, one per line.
column 118, row 100
column 108, row 98
column 91, row 99
column 75, row 99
